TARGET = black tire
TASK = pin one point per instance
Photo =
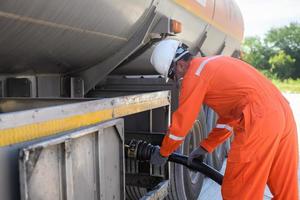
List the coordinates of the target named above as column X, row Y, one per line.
column 186, row 184
column 133, row 192
column 217, row 157
column 193, row 181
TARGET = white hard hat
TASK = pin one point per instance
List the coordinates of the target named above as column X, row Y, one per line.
column 164, row 53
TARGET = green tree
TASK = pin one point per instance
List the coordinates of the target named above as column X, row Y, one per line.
column 253, row 52
column 286, row 39
column 278, row 53
column 282, row 65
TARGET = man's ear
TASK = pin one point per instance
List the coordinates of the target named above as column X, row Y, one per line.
column 181, row 64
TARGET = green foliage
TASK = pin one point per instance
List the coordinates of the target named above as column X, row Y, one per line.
column 256, row 53
column 278, row 54
column 282, row 65
column 286, row 38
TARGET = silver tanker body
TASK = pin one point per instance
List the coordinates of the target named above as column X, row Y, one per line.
column 62, row 36
column 58, row 52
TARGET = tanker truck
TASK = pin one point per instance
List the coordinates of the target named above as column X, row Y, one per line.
column 76, row 85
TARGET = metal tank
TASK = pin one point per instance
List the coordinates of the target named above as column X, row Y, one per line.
column 59, row 36
column 209, row 27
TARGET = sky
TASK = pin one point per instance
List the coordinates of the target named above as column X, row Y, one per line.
column 261, row 15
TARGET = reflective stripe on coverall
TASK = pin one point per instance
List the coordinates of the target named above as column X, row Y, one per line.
column 264, row 149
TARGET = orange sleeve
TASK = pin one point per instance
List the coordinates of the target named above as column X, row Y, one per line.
column 191, row 97
column 217, row 136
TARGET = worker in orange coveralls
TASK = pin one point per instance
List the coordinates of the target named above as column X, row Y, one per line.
column 264, row 149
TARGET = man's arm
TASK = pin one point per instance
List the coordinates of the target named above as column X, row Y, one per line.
column 191, row 97
column 217, row 136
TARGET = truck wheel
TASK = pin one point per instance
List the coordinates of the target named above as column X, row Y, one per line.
column 134, row 192
column 217, row 157
column 187, row 184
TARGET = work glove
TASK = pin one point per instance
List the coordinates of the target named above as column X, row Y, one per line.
column 156, row 158
column 198, row 153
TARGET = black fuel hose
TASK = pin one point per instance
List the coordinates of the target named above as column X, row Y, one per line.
column 197, row 165
column 141, row 150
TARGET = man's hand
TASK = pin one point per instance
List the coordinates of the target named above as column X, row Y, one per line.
column 157, row 159
column 198, row 153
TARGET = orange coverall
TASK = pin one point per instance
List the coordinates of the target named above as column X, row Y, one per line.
column 264, row 149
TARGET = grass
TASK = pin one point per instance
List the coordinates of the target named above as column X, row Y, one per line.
column 288, row 85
